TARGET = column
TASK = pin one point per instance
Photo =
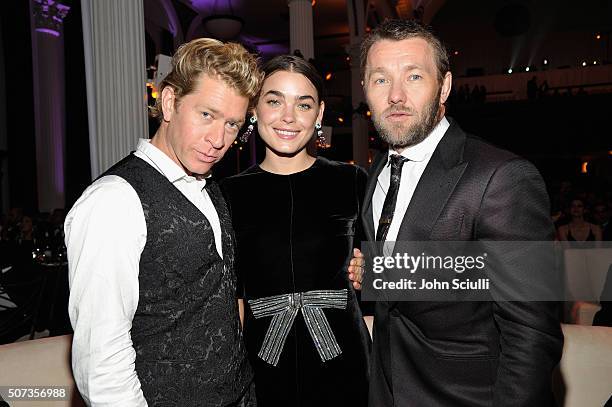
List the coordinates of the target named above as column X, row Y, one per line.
column 356, row 14
column 49, row 100
column 300, row 26
column 4, row 187
column 113, row 36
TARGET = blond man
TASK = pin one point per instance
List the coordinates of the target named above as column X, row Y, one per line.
column 150, row 250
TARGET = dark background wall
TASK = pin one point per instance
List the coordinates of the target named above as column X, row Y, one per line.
column 19, row 103
column 17, row 47
column 78, row 170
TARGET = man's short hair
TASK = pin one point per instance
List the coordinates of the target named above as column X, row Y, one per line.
column 229, row 62
column 397, row 30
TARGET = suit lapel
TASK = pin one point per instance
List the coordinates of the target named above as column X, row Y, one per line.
column 366, row 215
column 435, row 186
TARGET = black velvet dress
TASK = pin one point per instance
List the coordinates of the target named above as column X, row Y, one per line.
column 295, row 234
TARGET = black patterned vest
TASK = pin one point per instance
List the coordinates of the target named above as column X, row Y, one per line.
column 186, row 330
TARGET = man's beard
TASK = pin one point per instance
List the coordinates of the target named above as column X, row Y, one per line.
column 398, row 136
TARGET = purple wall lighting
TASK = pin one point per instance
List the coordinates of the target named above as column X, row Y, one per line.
column 48, row 31
column 49, row 15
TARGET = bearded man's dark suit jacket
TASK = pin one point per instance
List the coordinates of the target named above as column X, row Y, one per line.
column 467, row 353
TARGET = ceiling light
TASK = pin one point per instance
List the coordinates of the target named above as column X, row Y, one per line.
column 223, row 26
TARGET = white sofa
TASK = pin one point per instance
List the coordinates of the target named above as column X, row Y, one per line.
column 41, row 362
column 584, row 376
column 585, row 273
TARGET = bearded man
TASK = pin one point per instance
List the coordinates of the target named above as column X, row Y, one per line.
column 438, row 183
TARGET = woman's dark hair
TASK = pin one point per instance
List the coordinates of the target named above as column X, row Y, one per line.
column 292, row 63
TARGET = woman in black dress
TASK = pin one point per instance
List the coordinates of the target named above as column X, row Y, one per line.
column 296, row 219
column 578, row 229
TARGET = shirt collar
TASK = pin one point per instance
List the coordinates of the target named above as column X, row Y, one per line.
column 424, row 150
column 165, row 165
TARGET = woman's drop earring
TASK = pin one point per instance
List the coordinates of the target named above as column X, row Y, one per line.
column 245, row 136
column 321, row 142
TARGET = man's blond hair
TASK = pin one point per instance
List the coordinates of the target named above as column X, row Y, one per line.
column 229, row 62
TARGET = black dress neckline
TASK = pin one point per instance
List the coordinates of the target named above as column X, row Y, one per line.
column 317, row 162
